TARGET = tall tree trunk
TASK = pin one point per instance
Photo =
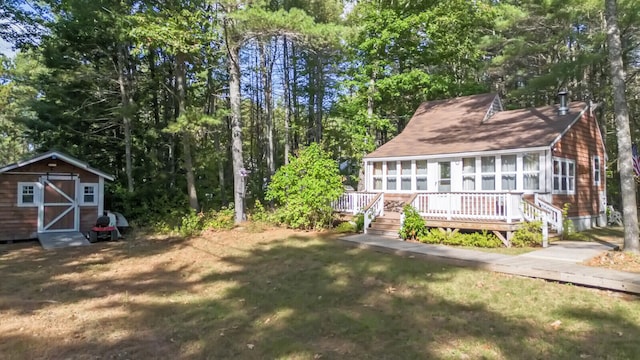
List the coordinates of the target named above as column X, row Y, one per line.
column 181, row 74
column 266, row 83
column 311, row 109
column 319, row 113
column 625, row 160
column 233, row 53
column 295, row 100
column 287, row 100
column 125, row 95
column 370, row 104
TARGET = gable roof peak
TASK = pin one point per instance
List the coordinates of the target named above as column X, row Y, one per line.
column 494, row 107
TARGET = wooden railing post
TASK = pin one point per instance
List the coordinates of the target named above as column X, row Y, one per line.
column 507, row 207
column 449, row 197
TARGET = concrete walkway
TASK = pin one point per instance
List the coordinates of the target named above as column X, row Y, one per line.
column 559, row 262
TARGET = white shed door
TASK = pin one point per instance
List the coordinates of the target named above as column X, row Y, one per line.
column 59, row 206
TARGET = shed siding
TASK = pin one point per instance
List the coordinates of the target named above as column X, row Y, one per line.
column 22, row 222
column 16, row 222
column 581, row 143
column 88, row 217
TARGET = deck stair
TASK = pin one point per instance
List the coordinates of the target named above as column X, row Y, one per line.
column 389, row 223
column 386, row 225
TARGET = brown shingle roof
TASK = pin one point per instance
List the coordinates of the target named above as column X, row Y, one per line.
column 456, row 126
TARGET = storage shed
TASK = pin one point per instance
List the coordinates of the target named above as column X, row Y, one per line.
column 48, row 194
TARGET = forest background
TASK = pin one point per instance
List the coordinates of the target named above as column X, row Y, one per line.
column 196, row 103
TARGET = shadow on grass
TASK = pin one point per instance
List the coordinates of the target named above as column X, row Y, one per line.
column 307, row 298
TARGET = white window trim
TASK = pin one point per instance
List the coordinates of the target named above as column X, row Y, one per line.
column 495, row 173
column 597, row 170
column 473, row 175
column 531, row 172
column 559, row 176
column 95, row 187
column 417, row 176
column 36, row 194
column 509, row 173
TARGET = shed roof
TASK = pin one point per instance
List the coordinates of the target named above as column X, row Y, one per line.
column 461, row 125
column 53, row 154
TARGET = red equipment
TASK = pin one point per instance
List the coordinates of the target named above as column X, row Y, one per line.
column 102, row 231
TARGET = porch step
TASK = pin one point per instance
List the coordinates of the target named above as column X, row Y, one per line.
column 387, row 225
column 388, row 233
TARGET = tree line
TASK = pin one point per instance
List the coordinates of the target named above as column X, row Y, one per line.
column 196, row 103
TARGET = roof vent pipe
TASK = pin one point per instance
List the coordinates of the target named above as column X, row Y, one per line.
column 564, row 104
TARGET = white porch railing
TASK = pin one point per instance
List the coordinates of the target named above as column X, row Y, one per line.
column 373, row 210
column 496, row 206
column 554, row 215
column 353, row 202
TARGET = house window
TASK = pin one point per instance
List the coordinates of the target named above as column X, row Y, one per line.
column 377, row 176
column 488, row 169
column 508, row 167
column 89, row 194
column 27, row 194
column 392, row 172
column 405, row 172
column 531, row 171
column 596, row 170
column 469, row 174
column 421, row 175
column 564, row 176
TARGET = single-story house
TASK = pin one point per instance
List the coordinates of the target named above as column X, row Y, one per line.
column 468, row 159
column 49, row 193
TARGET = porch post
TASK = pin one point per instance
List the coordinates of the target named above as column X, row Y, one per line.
column 449, row 206
column 507, row 208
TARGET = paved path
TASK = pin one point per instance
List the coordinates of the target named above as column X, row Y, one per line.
column 558, row 262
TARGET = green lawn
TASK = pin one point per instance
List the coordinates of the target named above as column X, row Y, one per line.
column 254, row 296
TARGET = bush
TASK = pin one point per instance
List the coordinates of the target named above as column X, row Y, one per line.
column 261, row 215
column 191, row 224
column 482, row 239
column 567, row 225
column 529, row 234
column 345, row 227
column 359, row 220
column 414, row 225
column 194, row 223
column 224, row 219
column 305, row 189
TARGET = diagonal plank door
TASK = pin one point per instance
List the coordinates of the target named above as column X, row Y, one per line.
column 59, row 205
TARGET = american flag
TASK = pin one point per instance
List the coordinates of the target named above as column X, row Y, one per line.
column 636, row 159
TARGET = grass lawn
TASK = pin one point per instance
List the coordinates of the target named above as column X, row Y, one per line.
column 286, row 295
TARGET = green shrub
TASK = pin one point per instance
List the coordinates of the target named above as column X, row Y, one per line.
column 476, row 239
column 528, row 234
column 345, row 227
column 191, row 224
column 219, row 220
column 434, row 236
column 414, row 225
column 359, row 220
column 305, row 188
column 260, row 215
column 484, row 239
column 567, row 224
